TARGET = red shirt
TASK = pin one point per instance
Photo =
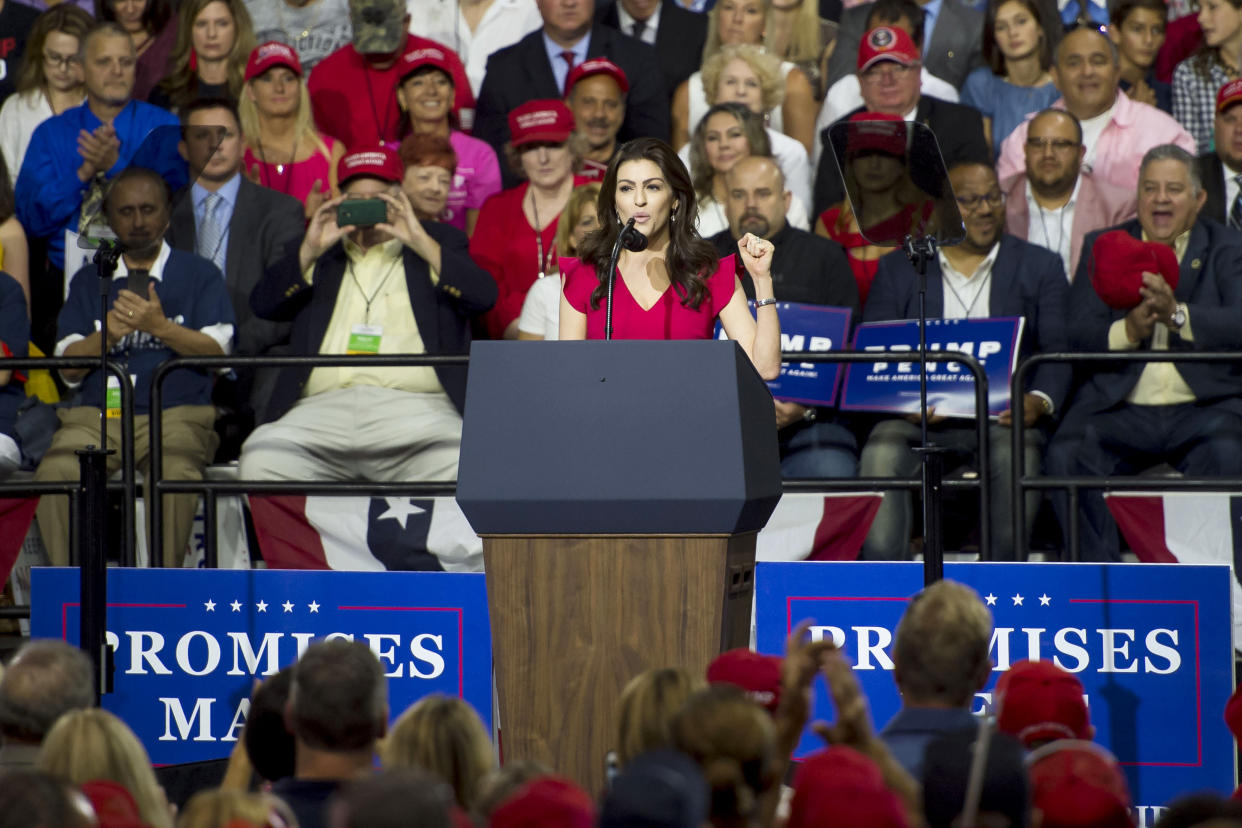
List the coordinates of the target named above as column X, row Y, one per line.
column 668, row 318
column 358, row 104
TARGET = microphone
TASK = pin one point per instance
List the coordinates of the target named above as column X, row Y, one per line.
column 632, row 240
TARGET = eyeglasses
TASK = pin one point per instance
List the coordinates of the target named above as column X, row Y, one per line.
column 886, row 69
column 972, row 203
column 56, row 61
column 1058, row 144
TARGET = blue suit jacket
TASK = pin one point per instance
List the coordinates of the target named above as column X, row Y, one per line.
column 1210, row 283
column 1027, row 281
column 442, row 310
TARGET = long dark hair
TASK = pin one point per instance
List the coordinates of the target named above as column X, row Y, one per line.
column 154, row 17
column 992, row 54
column 689, row 259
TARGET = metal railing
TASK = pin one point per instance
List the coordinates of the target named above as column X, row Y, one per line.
column 1073, row 484
column 126, row 485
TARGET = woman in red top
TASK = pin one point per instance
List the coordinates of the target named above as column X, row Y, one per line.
column 676, row 288
column 515, row 236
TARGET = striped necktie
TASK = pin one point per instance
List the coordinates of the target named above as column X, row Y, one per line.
column 211, row 231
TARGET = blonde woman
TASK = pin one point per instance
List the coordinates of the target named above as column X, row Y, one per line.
column 798, row 34
column 541, row 311
column 214, row 39
column 745, row 22
column 284, row 149
column 444, row 736
column 94, row 744
column 220, row 808
column 648, row 705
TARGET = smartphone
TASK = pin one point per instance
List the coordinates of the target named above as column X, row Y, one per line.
column 361, row 212
column 137, row 282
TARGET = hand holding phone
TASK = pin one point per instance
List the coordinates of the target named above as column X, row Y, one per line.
column 361, row 212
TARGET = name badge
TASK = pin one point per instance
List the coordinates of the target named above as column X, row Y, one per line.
column 364, row 339
column 112, row 398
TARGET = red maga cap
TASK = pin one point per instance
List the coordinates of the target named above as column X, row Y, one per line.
column 1118, row 261
column 272, row 53
column 759, row 675
column 1040, row 702
column 416, row 57
column 1228, row 95
column 597, row 66
column 381, row 163
column 542, row 120
column 843, row 788
column 887, row 43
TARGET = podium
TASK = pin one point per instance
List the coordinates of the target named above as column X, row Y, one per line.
column 618, row 487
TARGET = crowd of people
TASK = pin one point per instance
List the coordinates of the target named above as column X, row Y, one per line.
column 499, row 138
column 320, row 747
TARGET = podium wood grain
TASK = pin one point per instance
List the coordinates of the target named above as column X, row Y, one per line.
column 576, row 617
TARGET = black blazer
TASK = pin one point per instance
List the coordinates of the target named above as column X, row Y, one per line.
column 1209, row 282
column 679, row 40
column 521, row 72
column 1027, row 281
column 442, row 310
column 264, row 223
column 958, row 129
column 1212, row 176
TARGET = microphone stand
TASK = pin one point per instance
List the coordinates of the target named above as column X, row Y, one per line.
column 920, row 251
column 631, row 240
column 92, row 540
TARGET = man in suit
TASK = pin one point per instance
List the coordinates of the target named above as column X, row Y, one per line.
column 805, row 268
column 538, row 65
column 889, row 74
column 1065, row 201
column 400, row 286
column 678, row 35
column 595, row 94
column 204, row 220
column 990, row 274
column 1117, row 130
column 1221, row 171
column 1137, row 415
column 953, row 37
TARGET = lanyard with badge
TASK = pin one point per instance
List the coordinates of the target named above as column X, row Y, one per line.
column 365, row 338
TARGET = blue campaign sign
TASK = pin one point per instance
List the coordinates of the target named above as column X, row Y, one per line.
column 1150, row 643
column 189, row 643
column 894, row 386
column 809, row 329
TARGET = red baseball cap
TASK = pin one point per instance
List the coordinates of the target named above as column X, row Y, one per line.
column 877, row 132
column 1040, row 702
column 597, row 66
column 1228, row 95
column 114, row 805
column 546, row 802
column 1118, row 261
column 416, row 57
column 887, row 43
column 842, row 788
column 759, row 675
column 541, row 120
column 380, row 162
column 272, row 53
column 1079, row 784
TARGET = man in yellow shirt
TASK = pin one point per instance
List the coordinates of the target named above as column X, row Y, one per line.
column 398, row 286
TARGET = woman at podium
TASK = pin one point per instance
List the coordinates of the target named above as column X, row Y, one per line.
column 674, row 286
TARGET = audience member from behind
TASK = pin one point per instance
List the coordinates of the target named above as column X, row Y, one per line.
column 234, row 809
column 284, row 150
column 86, row 745
column 541, row 310
column 940, row 660
column 34, row 799
column 1201, row 809
column 392, row 798
column 114, row 806
column 501, row 784
column 1005, row 793
column 214, row 39
column 647, row 707
column 546, row 802
column 657, row 789
column 1117, row 130
column 734, row 742
column 46, row 679
column 755, row 674
column 268, row 743
column 444, row 736
column 1040, row 703
column 1078, row 785
column 49, row 81
column 841, row 787
column 337, row 711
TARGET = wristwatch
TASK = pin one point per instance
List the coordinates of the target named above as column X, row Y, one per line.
column 809, row 415
column 1178, row 318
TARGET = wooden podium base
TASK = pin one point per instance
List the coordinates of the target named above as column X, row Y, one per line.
column 574, row 618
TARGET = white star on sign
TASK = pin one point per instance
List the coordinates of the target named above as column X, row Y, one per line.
column 991, row 599
column 288, row 605
column 261, row 606
column 210, row 605
column 400, row 509
column 236, row 605
column 1044, row 600
column 314, row 606
column 1017, row 600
